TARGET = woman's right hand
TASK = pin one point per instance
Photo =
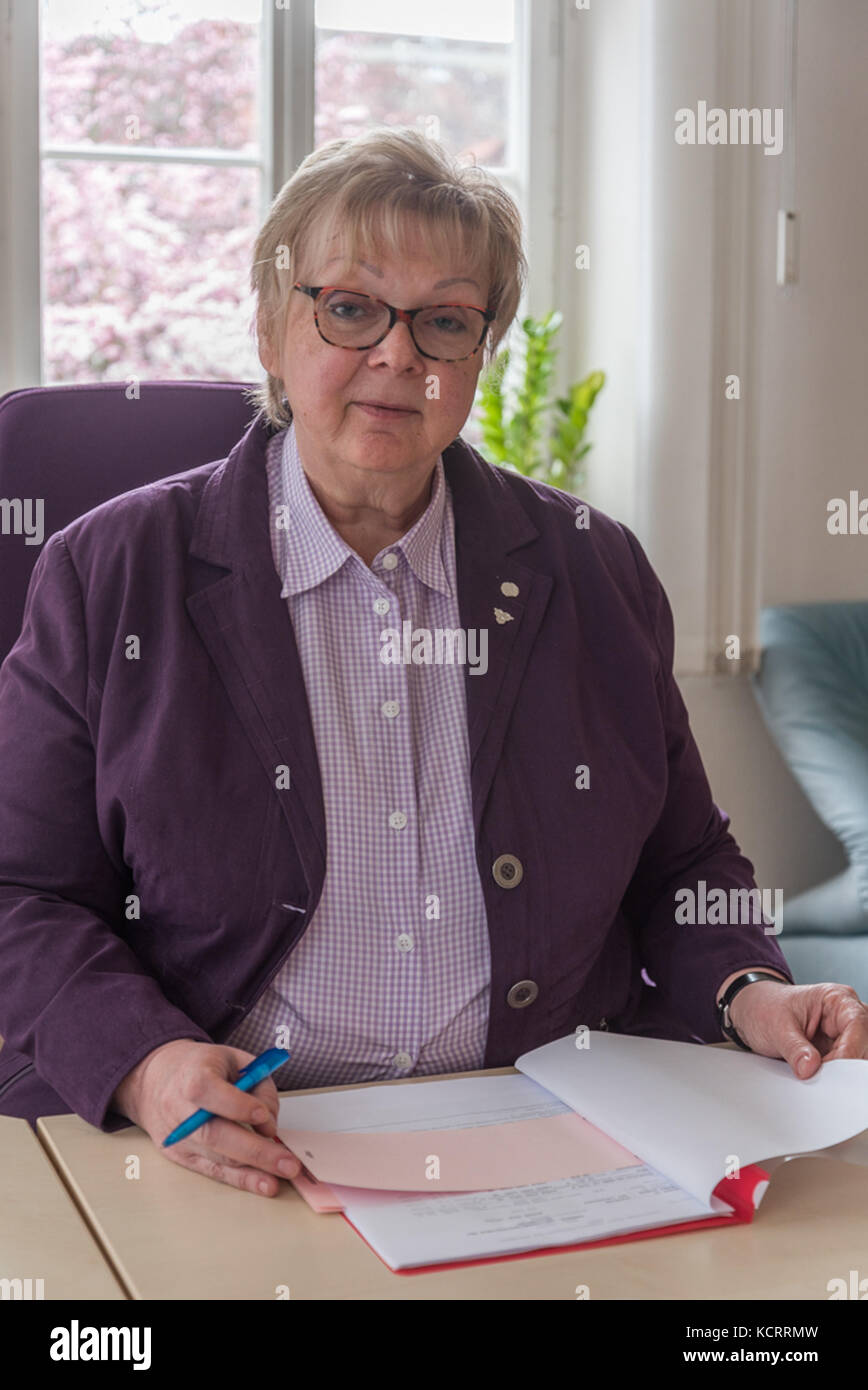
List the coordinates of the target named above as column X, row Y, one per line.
column 182, row 1076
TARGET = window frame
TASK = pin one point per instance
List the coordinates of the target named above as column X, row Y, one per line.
column 286, row 136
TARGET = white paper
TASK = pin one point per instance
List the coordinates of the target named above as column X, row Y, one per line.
column 689, row 1110
column 459, row 1104
column 408, row 1231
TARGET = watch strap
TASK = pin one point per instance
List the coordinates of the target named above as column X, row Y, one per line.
column 740, row 982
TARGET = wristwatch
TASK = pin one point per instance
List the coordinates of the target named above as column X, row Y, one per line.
column 729, row 994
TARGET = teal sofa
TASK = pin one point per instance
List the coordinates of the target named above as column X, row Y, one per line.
column 812, row 689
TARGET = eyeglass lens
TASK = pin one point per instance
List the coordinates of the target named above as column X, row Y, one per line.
column 352, row 320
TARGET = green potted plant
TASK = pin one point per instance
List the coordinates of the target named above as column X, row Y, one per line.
column 526, row 437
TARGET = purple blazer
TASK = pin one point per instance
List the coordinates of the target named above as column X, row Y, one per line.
column 145, row 784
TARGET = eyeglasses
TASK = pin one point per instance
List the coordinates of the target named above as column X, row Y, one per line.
column 350, row 319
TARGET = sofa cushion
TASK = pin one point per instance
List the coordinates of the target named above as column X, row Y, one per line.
column 812, row 688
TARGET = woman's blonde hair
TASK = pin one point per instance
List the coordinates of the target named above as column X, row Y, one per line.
column 367, row 190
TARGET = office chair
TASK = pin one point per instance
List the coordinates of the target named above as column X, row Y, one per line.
column 73, row 447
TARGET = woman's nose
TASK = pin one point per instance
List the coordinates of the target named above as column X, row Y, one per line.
column 398, row 345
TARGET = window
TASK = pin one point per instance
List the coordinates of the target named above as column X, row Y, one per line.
column 448, row 68
column 162, row 128
column 153, row 186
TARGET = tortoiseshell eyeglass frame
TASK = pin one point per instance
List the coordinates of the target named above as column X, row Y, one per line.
column 405, row 315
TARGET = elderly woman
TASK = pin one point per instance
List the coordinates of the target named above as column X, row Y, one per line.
column 353, row 742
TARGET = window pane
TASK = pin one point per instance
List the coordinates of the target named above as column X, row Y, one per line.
column 447, row 68
column 145, row 270
column 154, row 72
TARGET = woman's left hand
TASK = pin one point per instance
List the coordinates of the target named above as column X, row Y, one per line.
column 805, row 1024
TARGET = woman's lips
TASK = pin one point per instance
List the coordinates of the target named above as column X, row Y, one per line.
column 384, row 412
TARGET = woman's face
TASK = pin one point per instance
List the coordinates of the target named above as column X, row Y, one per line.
column 325, row 384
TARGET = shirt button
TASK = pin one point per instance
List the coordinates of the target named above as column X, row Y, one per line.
column 404, row 942
column 390, row 561
column 381, row 606
column 507, row 871
column 522, row 994
column 397, row 820
column 389, row 708
column 402, row 1060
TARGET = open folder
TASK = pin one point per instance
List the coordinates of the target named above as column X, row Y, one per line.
column 595, row 1139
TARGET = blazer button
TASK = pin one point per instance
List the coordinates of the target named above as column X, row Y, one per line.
column 522, row 994
column 507, row 871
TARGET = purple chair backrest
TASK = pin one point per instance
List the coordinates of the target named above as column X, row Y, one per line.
column 72, row 447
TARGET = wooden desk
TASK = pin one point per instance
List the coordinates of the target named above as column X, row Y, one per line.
column 172, row 1234
column 42, row 1233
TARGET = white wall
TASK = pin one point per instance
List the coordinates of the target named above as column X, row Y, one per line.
column 658, row 304
column 813, row 340
column 811, row 371
column 602, row 209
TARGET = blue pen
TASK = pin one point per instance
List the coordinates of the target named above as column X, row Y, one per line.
column 248, row 1077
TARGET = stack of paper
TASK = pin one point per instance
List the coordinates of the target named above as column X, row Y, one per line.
column 625, row 1136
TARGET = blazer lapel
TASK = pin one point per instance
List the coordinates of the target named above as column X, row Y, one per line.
column 498, row 592
column 235, row 602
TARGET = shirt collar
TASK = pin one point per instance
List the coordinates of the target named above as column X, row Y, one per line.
column 312, row 550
